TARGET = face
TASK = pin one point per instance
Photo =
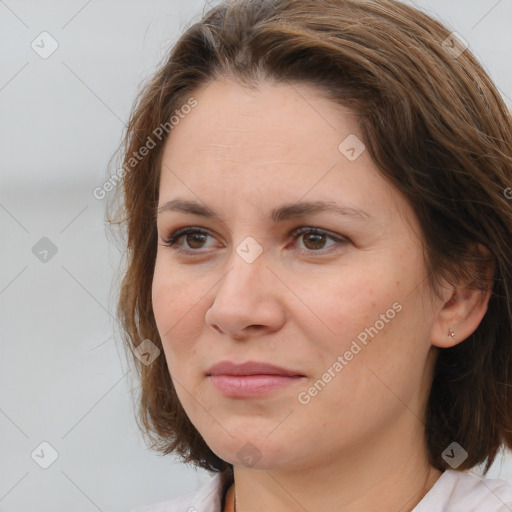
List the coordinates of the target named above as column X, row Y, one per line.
column 337, row 296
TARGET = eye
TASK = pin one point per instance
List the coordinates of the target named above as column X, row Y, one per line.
column 194, row 237
column 191, row 239
column 315, row 239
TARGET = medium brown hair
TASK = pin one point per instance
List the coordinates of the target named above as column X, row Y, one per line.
column 435, row 126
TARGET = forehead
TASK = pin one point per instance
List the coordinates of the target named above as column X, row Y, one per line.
column 281, row 120
column 276, row 140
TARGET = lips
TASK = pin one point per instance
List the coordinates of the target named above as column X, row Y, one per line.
column 251, row 379
column 250, row 368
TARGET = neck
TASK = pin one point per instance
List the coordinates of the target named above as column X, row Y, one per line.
column 381, row 478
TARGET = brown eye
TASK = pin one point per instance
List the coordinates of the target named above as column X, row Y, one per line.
column 314, row 241
column 188, row 239
column 195, row 240
column 310, row 240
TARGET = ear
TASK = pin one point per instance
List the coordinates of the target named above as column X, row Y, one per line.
column 464, row 307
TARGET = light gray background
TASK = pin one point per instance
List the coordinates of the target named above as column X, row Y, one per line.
column 62, row 379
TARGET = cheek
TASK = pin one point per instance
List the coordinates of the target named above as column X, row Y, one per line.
column 382, row 325
column 336, row 307
column 164, row 299
column 374, row 305
column 176, row 306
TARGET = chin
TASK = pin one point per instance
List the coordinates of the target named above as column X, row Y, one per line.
column 255, row 452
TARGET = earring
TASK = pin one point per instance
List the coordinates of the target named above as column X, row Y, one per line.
column 451, row 333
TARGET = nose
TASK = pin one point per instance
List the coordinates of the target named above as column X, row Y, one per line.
column 247, row 301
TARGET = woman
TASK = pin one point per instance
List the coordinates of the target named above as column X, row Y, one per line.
column 319, row 273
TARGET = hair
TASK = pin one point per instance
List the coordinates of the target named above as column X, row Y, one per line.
column 436, row 128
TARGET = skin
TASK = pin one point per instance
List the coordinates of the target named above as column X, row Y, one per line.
column 359, row 443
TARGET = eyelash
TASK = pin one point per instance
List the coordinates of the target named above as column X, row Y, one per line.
column 172, row 239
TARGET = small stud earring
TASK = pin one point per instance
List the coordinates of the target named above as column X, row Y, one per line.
column 451, row 333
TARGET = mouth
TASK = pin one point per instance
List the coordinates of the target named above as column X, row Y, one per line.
column 251, row 368
column 251, row 379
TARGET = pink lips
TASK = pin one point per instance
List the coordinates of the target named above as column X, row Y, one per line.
column 250, row 379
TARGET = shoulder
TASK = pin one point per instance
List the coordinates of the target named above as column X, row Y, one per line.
column 208, row 498
column 462, row 491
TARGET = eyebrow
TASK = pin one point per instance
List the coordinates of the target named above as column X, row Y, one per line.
column 279, row 214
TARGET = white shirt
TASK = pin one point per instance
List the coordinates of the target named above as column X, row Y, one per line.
column 454, row 491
